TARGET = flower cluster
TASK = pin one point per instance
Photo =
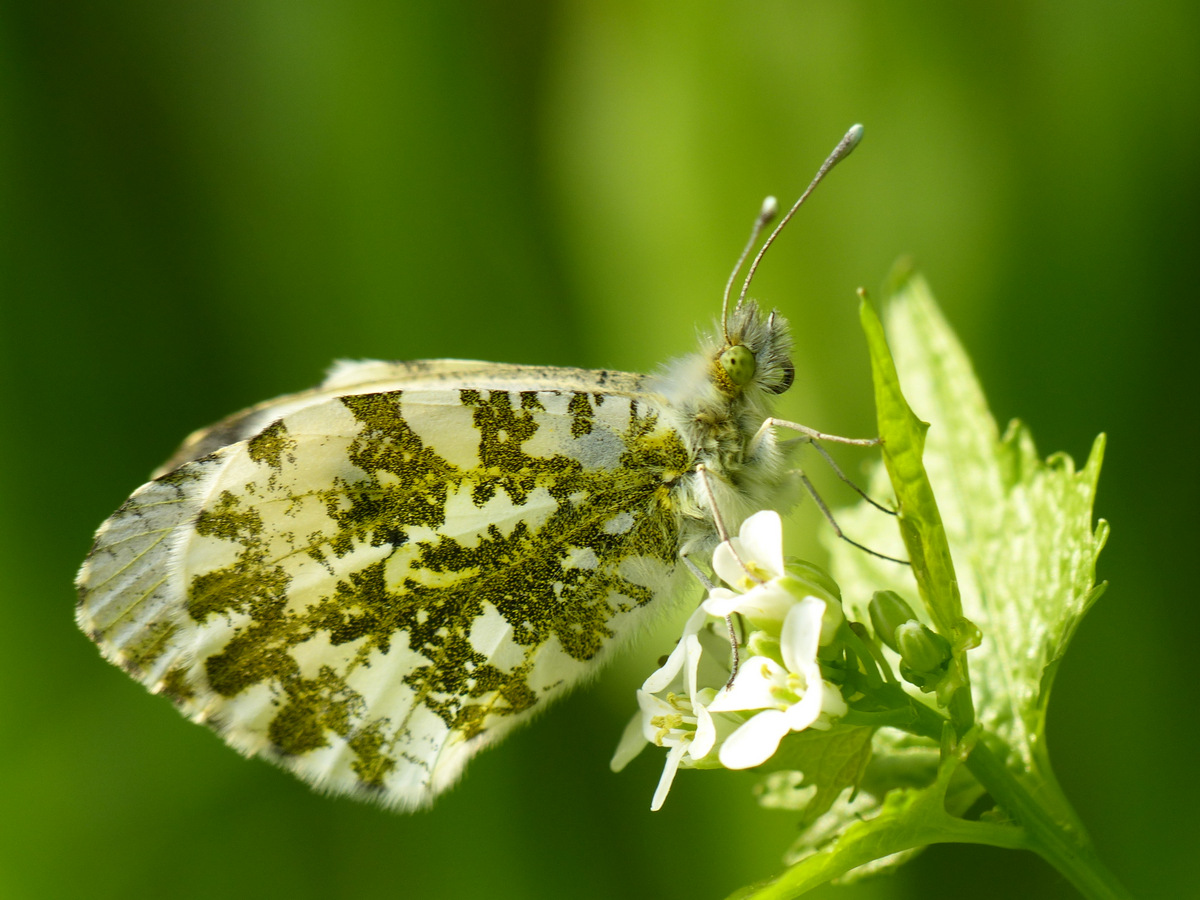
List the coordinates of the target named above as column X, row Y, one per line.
column 692, row 707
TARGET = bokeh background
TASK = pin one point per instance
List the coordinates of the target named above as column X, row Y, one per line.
column 202, row 204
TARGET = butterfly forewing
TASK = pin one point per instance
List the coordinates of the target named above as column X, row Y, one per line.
column 375, row 585
column 378, row 376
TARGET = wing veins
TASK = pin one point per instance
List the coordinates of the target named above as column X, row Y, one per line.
column 133, row 560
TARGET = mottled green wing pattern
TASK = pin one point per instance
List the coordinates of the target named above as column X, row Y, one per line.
column 373, row 376
column 375, row 586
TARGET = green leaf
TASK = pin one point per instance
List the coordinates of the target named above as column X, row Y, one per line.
column 908, row 819
column 903, row 451
column 814, row 768
column 921, row 528
column 1019, row 529
column 899, row 760
column 1009, row 542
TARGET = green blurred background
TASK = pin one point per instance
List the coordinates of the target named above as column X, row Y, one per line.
column 202, row 204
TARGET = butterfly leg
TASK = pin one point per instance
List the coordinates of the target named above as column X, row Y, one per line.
column 734, row 640
column 812, row 492
column 838, row 472
column 812, row 436
column 697, row 572
column 723, row 534
column 718, row 522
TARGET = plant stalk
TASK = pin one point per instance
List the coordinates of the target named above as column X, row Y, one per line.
column 1070, row 853
column 1068, row 850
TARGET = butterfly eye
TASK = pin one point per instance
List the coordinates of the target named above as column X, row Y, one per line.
column 789, row 375
column 738, row 363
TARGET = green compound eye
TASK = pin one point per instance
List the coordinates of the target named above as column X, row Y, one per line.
column 738, row 363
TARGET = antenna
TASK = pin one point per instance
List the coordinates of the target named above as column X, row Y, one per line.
column 770, row 208
column 840, row 152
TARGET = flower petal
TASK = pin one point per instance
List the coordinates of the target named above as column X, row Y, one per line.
column 668, row 776
column 631, row 744
column 727, row 563
column 762, row 604
column 801, row 634
column 693, row 652
column 752, row 687
column 762, row 540
column 661, row 678
column 755, row 741
column 801, row 715
column 721, row 602
column 833, row 704
column 706, row 735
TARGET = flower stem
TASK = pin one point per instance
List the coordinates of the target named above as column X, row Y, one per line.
column 1069, row 852
column 1066, row 848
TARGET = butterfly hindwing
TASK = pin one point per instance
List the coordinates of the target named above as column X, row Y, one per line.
column 377, row 578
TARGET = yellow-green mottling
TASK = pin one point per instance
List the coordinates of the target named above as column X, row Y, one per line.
column 269, row 445
column 524, row 574
column 371, row 763
column 581, row 411
column 151, row 644
column 370, row 581
column 176, row 686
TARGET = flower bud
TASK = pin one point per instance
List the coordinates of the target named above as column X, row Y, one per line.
column 888, row 612
column 924, row 654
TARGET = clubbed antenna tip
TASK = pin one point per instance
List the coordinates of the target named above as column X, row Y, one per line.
column 844, row 148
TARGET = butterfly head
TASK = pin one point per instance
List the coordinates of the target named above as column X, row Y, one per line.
column 755, row 353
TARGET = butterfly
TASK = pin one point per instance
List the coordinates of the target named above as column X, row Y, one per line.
column 370, row 581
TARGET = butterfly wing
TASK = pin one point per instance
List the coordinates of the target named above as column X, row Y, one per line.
column 378, row 376
column 374, row 585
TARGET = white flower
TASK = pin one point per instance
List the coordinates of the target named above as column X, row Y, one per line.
column 788, row 697
column 687, row 705
column 785, row 688
column 671, row 703
column 764, row 591
column 755, row 555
